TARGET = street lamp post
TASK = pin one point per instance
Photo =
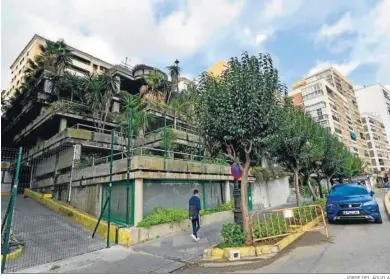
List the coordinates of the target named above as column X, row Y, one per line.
column 237, row 202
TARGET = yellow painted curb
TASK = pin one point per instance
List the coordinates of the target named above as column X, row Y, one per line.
column 81, row 218
column 15, row 254
column 47, row 196
column 253, row 251
column 387, row 203
column 5, row 193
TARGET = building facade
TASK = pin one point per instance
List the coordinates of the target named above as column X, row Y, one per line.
column 375, row 99
column 82, row 63
column 218, row 68
column 377, row 142
column 330, row 99
column 184, row 83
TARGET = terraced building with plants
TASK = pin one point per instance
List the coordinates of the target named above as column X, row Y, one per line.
column 70, row 123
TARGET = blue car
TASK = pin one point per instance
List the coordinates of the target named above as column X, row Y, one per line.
column 352, row 202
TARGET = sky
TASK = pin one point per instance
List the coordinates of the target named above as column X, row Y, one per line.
column 302, row 36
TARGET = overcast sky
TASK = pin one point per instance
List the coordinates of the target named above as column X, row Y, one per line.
column 301, row 35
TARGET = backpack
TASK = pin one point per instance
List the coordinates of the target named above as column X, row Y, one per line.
column 193, row 214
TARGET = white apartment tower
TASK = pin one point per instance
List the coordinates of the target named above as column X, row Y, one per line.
column 375, row 99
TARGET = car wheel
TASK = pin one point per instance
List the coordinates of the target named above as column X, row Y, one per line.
column 330, row 221
column 379, row 220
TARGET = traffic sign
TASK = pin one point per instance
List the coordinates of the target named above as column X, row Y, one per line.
column 235, row 170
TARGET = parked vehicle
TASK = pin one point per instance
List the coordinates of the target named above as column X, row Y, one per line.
column 351, row 202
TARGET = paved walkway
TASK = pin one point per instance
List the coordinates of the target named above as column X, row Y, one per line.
column 161, row 255
column 46, row 235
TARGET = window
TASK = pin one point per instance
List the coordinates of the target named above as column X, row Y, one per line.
column 80, row 59
column 347, row 191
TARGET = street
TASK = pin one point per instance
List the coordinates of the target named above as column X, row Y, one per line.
column 356, row 248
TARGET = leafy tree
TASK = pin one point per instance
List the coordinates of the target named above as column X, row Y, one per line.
column 311, row 166
column 237, row 113
column 333, row 159
column 293, row 145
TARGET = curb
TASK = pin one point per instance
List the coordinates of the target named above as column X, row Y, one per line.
column 387, row 203
column 217, row 254
column 15, row 254
column 5, row 194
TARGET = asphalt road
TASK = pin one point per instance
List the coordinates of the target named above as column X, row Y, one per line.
column 355, row 248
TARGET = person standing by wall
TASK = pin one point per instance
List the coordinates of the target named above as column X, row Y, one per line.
column 194, row 208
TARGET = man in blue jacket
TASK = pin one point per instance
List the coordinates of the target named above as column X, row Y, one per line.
column 194, row 208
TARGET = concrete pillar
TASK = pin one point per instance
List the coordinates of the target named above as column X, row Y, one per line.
column 63, row 124
column 227, row 191
column 115, row 106
column 138, row 200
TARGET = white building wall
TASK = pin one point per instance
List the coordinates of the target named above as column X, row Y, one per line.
column 371, row 100
column 270, row 194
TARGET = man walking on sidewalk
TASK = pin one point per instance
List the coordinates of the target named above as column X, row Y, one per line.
column 194, row 208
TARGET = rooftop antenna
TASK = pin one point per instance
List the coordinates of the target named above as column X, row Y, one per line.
column 125, row 64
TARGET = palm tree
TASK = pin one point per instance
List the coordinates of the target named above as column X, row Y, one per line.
column 57, row 58
column 152, row 89
column 174, row 73
column 140, row 120
column 110, row 87
column 58, row 55
column 74, row 84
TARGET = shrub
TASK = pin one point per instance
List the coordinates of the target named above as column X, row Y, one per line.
column 233, row 234
column 225, row 206
column 163, row 216
column 173, row 215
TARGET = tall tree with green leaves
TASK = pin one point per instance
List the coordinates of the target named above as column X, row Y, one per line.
column 237, row 113
column 333, row 160
column 293, row 145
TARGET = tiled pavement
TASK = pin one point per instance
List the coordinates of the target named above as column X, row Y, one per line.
column 161, row 255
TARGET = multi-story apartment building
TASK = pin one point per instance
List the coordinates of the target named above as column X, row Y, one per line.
column 218, row 68
column 377, row 142
column 375, row 98
column 184, row 83
column 330, row 99
column 82, row 63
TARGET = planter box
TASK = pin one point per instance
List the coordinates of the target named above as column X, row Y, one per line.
column 139, row 235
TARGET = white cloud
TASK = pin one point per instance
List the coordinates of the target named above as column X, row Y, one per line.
column 274, row 8
column 344, row 68
column 251, row 38
column 372, row 41
column 116, row 28
column 343, row 25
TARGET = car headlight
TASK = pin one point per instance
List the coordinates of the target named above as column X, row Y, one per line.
column 371, row 202
column 330, row 205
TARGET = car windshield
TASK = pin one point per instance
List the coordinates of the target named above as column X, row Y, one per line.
column 347, row 191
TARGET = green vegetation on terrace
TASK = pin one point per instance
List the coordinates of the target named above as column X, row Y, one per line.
column 176, row 215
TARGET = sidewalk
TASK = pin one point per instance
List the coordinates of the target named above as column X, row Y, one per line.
column 161, row 255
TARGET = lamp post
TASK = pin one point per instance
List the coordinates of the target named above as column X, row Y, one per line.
column 236, row 172
column 237, row 202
